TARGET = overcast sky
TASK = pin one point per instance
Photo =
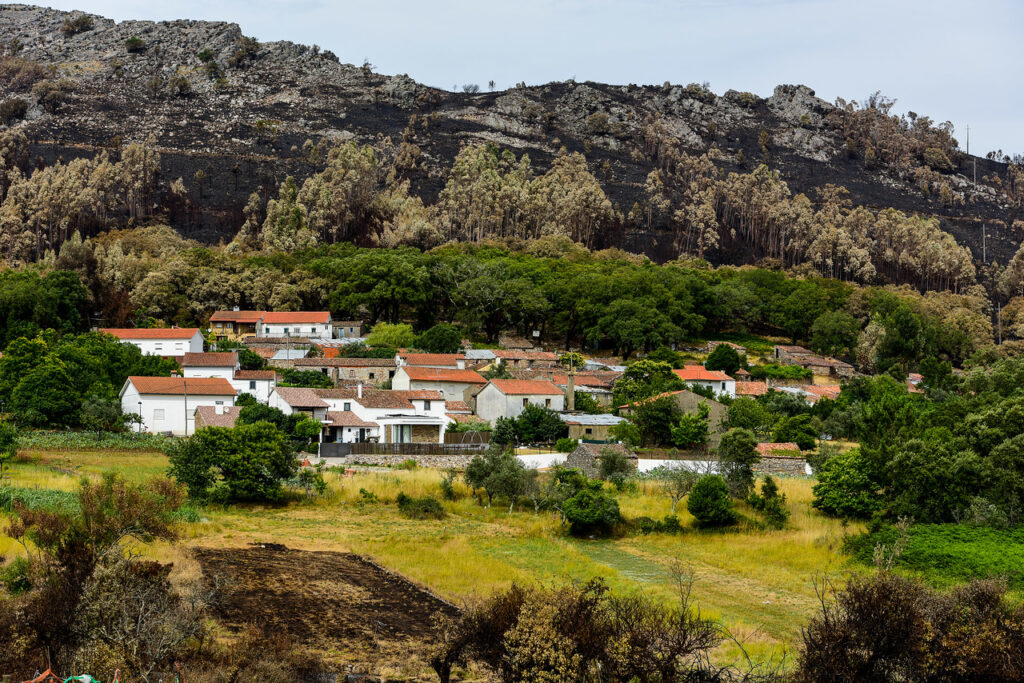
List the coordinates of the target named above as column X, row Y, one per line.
column 959, row 61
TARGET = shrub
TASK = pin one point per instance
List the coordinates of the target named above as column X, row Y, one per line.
column 776, row 371
column 448, row 483
column 709, row 502
column 566, row 445
column 420, row 508
column 408, row 464
column 21, row 74
column 52, row 94
column 591, row 511
column 13, row 109
column 135, row 44
column 179, row 86
column 614, row 466
column 78, row 24
column 845, row 487
column 771, row 503
column 937, row 160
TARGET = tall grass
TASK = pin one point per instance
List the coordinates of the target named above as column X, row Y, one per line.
column 69, row 440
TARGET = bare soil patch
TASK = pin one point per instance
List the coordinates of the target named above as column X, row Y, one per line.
column 323, row 600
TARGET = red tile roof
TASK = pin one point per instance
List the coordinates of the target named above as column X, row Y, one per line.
column 751, row 388
column 789, row 448
column 463, row 418
column 300, row 397
column 255, row 374
column 222, row 359
column 526, row 387
column 151, row 332
column 506, row 354
column 341, row 362
column 295, row 317
column 448, row 359
column 174, row 386
column 457, row 406
column 698, row 373
column 206, row 416
column 421, row 374
column 823, row 390
column 346, row 418
column 237, row 316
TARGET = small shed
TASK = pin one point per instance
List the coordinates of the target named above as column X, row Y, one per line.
column 585, row 456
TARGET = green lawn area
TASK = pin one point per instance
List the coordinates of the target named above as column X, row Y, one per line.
column 759, row 583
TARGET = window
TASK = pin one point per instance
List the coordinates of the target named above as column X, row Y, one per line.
column 426, row 405
column 547, row 402
column 371, row 375
column 220, row 403
column 346, row 406
column 588, row 430
column 313, row 330
column 158, row 346
column 391, row 374
column 526, row 402
column 158, row 413
column 252, row 384
column 266, row 330
column 286, row 331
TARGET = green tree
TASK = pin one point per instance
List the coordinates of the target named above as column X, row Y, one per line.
column 709, row 502
column 643, row 379
column 797, row 429
column 539, row 424
column 392, row 335
column 504, row 432
column 591, row 511
column 846, row 487
column 250, row 360
column 46, row 396
column 748, row 413
column 724, row 358
column 677, row 482
column 586, row 403
column 499, row 473
column 692, row 429
column 442, row 338
column 835, row 333
column 627, row 432
column 498, row 370
column 655, row 418
column 291, row 377
column 737, row 455
column 8, row 445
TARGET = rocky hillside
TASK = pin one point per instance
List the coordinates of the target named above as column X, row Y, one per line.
column 230, row 116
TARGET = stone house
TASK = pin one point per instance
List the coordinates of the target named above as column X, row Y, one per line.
column 452, row 383
column 508, row 397
column 688, row 402
column 347, row 370
column 585, row 457
column 590, row 427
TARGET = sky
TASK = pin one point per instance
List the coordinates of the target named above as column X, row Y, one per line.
column 959, row 61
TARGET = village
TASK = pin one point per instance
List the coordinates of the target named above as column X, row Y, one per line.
column 438, row 407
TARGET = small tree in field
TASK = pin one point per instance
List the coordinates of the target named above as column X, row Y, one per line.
column 737, row 453
column 709, row 502
column 678, row 482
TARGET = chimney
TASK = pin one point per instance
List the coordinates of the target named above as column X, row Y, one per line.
column 359, row 390
column 570, row 392
column 460, row 363
column 234, row 308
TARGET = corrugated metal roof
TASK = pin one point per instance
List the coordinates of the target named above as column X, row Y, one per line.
column 592, row 420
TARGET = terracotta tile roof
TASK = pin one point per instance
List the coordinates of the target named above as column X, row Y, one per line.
column 742, row 373
column 346, row 418
column 913, row 388
column 223, row 359
column 561, row 378
column 511, row 342
column 506, row 354
column 300, row 397
column 237, row 316
column 823, row 390
column 751, row 388
column 256, row 374
column 457, row 406
column 789, row 448
column 376, row 398
column 698, row 373
column 174, row 386
column 338, row 392
column 518, row 387
column 340, row 362
column 463, row 418
column 206, row 416
column 448, row 359
column 151, row 332
column 421, row 374
column 792, row 349
column 263, row 352
column 295, row 317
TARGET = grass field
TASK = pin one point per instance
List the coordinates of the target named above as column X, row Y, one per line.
column 759, row 583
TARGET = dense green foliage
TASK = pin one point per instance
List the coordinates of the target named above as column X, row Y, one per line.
column 71, row 380
column 420, row 508
column 724, row 358
column 737, row 455
column 709, row 502
column 30, row 303
column 441, row 338
column 292, row 377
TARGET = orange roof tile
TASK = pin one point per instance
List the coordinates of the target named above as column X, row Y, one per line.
column 206, row 416
column 151, row 332
column 295, row 317
column 751, row 388
column 255, row 374
column 449, row 359
column 237, row 316
column 422, row 374
column 221, row 359
column 698, row 373
column 526, row 387
column 174, row 386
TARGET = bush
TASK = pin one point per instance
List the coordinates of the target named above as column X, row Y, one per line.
column 709, row 502
column 937, row 160
column 591, row 511
column 566, row 445
column 771, row 503
column 408, row 464
column 448, row 483
column 13, row 109
column 776, row 371
column 79, row 24
column 441, row 338
column 21, row 74
column 420, row 508
column 135, row 44
column 845, row 487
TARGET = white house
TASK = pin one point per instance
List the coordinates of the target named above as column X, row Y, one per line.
column 168, row 404
column 222, row 364
column 362, row 414
column 452, row 383
column 160, row 341
column 258, row 383
column 508, row 397
column 716, row 380
column 309, row 324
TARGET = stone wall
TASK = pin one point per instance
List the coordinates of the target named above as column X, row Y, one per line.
column 437, row 461
column 425, row 433
column 782, row 465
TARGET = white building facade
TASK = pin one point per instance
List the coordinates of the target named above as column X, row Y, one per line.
column 161, row 341
column 508, row 398
column 168, row 404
